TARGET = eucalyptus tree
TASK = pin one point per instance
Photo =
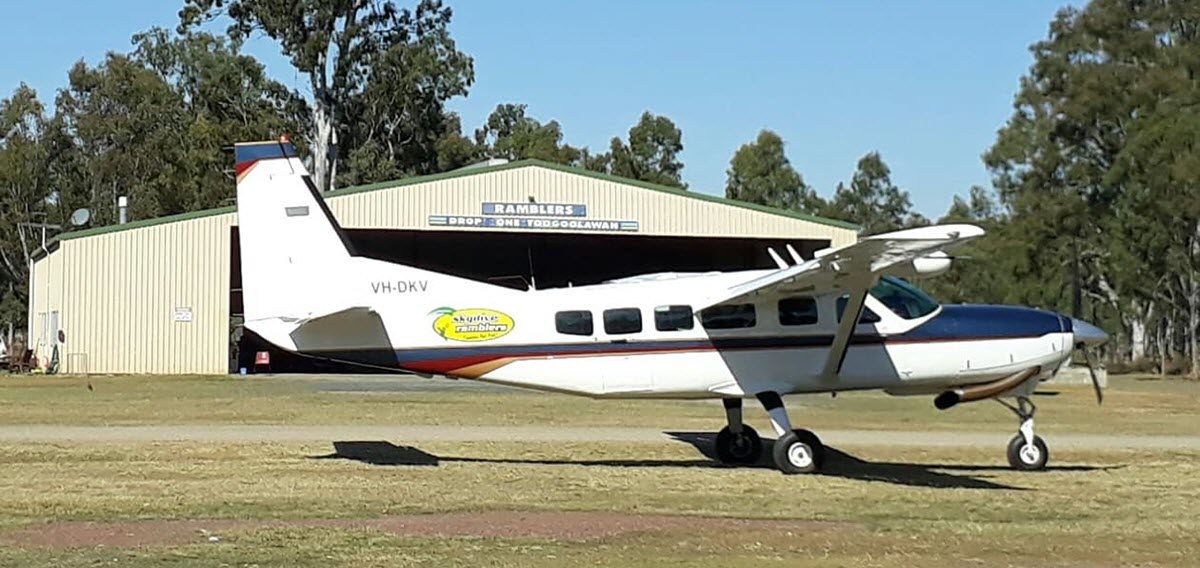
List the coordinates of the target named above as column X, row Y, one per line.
column 379, row 75
column 760, row 172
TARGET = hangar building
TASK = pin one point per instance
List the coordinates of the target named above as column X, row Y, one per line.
column 163, row 295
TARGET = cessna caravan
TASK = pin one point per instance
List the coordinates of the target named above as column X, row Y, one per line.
column 844, row 320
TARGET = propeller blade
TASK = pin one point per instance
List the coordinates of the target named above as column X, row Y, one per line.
column 1087, row 356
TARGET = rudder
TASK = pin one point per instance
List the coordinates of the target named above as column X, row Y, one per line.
column 290, row 241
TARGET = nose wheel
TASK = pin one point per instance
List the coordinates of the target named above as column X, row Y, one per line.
column 1026, row 451
column 1025, row 456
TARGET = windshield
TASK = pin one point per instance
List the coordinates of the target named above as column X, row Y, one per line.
column 902, row 298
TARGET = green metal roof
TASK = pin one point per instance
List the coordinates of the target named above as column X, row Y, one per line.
column 464, row 173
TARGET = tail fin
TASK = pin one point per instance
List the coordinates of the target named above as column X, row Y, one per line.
column 290, row 242
column 298, row 266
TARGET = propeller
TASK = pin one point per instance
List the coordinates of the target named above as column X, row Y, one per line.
column 1087, row 357
column 1086, row 337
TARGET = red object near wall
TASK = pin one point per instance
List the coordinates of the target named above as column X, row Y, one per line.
column 262, row 359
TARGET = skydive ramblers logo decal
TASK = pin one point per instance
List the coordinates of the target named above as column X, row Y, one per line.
column 471, row 324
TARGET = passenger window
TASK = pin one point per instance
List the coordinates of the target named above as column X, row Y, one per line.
column 728, row 317
column 797, row 311
column 622, row 320
column 578, row 322
column 673, row 318
column 867, row 316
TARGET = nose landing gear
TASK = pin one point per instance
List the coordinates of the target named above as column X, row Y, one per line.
column 1026, row 451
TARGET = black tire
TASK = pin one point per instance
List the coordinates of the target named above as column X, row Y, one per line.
column 1027, row 459
column 742, row 449
column 798, row 451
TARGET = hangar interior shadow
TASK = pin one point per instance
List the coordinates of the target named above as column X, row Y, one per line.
column 517, row 260
column 837, row 463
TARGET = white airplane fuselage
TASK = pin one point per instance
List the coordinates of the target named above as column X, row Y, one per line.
column 953, row 345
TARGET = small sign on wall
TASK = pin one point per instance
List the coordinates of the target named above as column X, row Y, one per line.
column 183, row 314
column 534, row 216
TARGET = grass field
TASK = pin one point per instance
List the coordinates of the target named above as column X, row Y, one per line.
column 1135, row 405
column 542, row 504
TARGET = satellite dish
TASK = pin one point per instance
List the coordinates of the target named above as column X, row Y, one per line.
column 80, row 217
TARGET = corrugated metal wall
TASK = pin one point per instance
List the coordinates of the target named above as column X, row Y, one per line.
column 658, row 212
column 45, row 303
column 116, row 294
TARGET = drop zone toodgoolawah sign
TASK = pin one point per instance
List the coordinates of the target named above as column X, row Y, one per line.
column 535, row 216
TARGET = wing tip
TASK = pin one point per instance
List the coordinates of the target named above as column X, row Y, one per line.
column 953, row 231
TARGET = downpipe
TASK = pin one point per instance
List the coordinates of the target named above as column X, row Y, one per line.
column 985, row 390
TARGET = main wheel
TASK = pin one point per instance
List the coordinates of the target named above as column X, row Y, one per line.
column 741, row 448
column 798, row 451
column 1027, row 457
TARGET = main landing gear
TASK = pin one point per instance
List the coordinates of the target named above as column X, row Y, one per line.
column 795, row 451
column 737, row 443
column 1026, row 451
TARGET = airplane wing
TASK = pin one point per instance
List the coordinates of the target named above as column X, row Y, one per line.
column 850, row 267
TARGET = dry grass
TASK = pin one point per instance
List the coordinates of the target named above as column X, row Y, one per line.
column 938, row 507
column 1133, row 406
column 890, row 507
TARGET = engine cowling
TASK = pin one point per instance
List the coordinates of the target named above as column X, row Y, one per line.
column 931, row 264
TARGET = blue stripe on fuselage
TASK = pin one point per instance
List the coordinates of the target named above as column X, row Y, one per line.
column 262, row 151
column 969, row 321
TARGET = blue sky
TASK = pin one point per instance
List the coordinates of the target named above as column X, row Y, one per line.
column 926, row 84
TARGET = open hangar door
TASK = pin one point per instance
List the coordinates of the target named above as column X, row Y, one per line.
column 515, row 259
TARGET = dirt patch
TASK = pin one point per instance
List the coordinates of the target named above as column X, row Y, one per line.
column 551, row 525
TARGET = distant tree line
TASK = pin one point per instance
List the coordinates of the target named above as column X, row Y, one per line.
column 1096, row 211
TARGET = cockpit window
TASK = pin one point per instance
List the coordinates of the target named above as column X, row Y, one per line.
column 867, row 316
column 902, row 298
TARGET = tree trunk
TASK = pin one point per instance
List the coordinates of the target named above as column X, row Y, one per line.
column 1193, row 322
column 322, row 140
column 1137, row 338
column 1076, row 281
column 1162, row 347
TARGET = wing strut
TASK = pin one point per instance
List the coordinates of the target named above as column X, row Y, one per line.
column 845, row 331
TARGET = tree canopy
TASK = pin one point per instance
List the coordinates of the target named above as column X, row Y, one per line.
column 872, row 200
column 150, row 125
column 760, row 173
column 380, row 76
column 512, row 135
column 651, row 154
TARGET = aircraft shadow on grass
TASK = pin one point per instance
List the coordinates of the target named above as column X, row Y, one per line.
column 837, row 463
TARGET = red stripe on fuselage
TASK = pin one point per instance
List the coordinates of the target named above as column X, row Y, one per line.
column 241, row 167
column 448, row 364
column 452, row 363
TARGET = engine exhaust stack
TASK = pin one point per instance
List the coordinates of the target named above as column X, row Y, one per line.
column 983, row 391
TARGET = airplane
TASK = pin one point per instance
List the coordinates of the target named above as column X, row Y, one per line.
column 846, row 320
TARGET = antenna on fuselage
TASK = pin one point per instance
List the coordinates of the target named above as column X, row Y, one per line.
column 775, row 256
column 795, row 255
column 529, row 257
